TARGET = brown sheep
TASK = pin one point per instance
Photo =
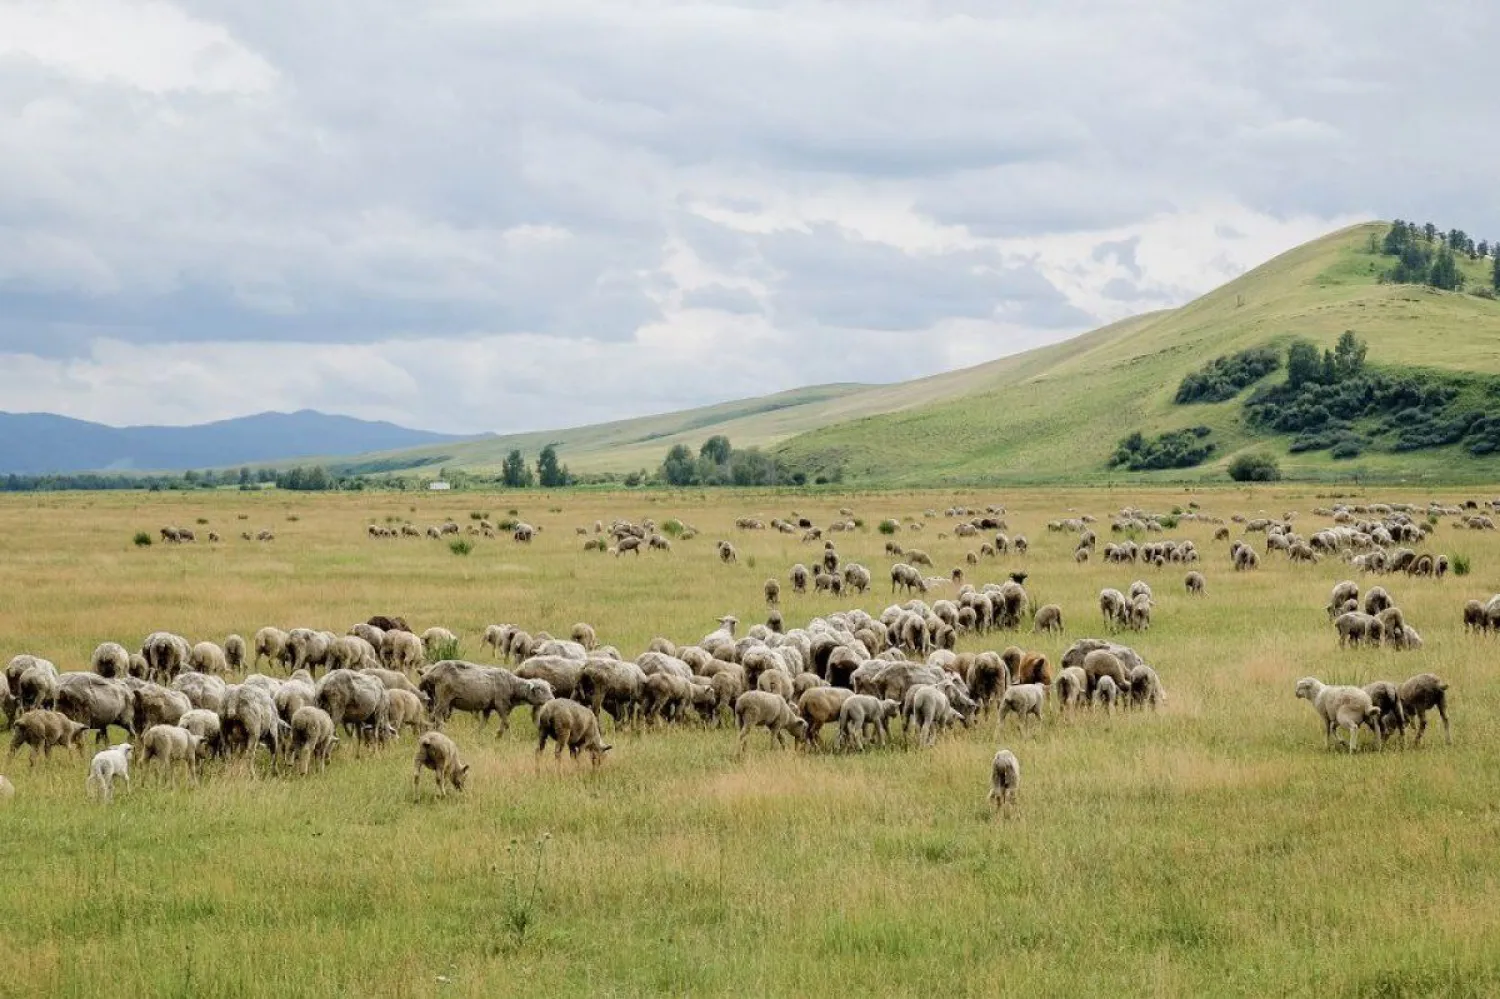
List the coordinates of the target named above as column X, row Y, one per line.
column 438, row 753
column 569, row 724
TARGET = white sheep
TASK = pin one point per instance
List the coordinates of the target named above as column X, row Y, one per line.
column 1022, row 699
column 109, row 764
column 1349, row 707
column 1005, row 780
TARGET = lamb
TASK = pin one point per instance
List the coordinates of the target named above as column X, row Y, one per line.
column 1349, row 707
column 1196, row 584
column 862, row 712
column 169, row 743
column 496, row 637
column 234, row 652
column 1387, row 699
column 1421, row 694
column 111, row 661
column 1114, row 608
column 1140, row 612
column 1022, row 700
column 1101, row 663
column 799, row 576
column 759, row 708
column 1005, row 780
column 570, row 724
column 1106, row 693
column 108, row 765
column 926, row 709
column 1048, row 618
column 41, row 730
column 404, row 709
column 438, row 753
column 313, row 737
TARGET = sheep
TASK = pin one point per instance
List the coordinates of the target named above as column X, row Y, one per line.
column 96, row 702
column 1355, row 627
column 1005, row 780
column 1114, row 608
column 403, row 709
column 759, row 708
column 313, row 737
column 772, row 591
column 860, row 713
column 249, row 717
column 270, row 644
column 111, row 661
column 207, row 657
column 1387, row 699
column 1377, row 600
column 1196, row 584
column 1475, row 618
column 1071, row 687
column 1106, row 693
column 819, row 706
column 402, row 650
column 1021, row 700
column 799, row 576
column 206, row 692
column 37, row 686
column 584, row 635
column 169, row 743
column 1144, row 687
column 569, row 724
column 1048, row 618
column 727, row 553
column 207, row 727
column 1140, row 612
column 42, row 729
column 1392, row 627
column 1419, row 695
column 926, row 709
column 154, row 705
column 434, row 639
column 438, row 753
column 1349, row 707
column 561, row 675
column 234, row 652
column 1101, row 663
column 355, row 699
column 108, row 765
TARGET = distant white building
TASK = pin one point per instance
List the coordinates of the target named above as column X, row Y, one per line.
column 438, row 485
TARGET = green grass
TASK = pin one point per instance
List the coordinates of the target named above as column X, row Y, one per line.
column 1212, row 849
column 1057, row 412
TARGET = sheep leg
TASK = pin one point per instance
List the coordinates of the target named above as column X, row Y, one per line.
column 1421, row 729
column 1442, row 709
column 1353, row 737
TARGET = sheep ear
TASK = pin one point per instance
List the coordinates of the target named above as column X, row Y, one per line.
column 606, row 749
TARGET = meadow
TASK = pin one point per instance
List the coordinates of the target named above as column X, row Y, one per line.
column 1212, row 848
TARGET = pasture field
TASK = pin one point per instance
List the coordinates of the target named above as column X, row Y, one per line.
column 1213, row 848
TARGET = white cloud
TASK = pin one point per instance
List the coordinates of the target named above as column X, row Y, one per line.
column 573, row 210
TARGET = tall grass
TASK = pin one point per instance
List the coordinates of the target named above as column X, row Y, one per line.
column 1212, row 848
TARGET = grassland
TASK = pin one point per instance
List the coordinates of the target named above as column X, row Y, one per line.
column 1212, row 849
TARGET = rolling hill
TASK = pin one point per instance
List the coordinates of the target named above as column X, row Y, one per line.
column 1055, row 413
column 41, row 443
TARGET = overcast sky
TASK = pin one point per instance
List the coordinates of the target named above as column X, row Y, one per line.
column 527, row 214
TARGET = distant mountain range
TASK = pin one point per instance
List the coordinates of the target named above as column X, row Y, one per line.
column 42, row 443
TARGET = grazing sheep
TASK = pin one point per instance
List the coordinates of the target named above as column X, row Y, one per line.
column 1071, row 686
column 1140, row 612
column 270, row 644
column 1196, row 584
column 1377, row 600
column 819, row 706
column 772, row 592
column 206, row 726
column 356, row 700
column 234, row 652
column 402, row 650
column 1022, row 700
column 207, row 657
column 1355, row 627
column 569, row 724
column 313, row 737
column 1005, row 780
column 759, row 708
column 583, row 634
column 433, row 639
column 799, row 577
column 96, row 702
column 1144, row 687
column 1475, row 618
column 1386, row 697
column 41, row 730
column 109, row 765
column 927, row 710
column 170, row 744
column 1101, row 663
column 1106, row 693
column 1349, row 707
column 1114, row 608
column 1421, row 694
column 111, row 661
column 438, row 753
column 404, row 709
column 861, row 713
column 1048, row 618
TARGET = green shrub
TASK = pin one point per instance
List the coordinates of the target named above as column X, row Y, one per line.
column 673, row 528
column 1173, row 449
column 1460, row 564
column 1254, row 468
column 507, row 523
column 1224, row 377
column 202, row 521
column 888, row 527
column 460, row 546
column 444, row 650
column 142, row 539
column 479, row 515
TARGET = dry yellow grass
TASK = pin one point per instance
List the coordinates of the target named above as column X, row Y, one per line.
column 1213, row 848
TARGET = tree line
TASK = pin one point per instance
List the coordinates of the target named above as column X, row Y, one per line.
column 1427, row 255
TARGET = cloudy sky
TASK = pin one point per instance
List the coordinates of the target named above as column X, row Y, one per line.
column 470, row 215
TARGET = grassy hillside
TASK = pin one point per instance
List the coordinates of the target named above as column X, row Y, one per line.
column 1055, row 414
